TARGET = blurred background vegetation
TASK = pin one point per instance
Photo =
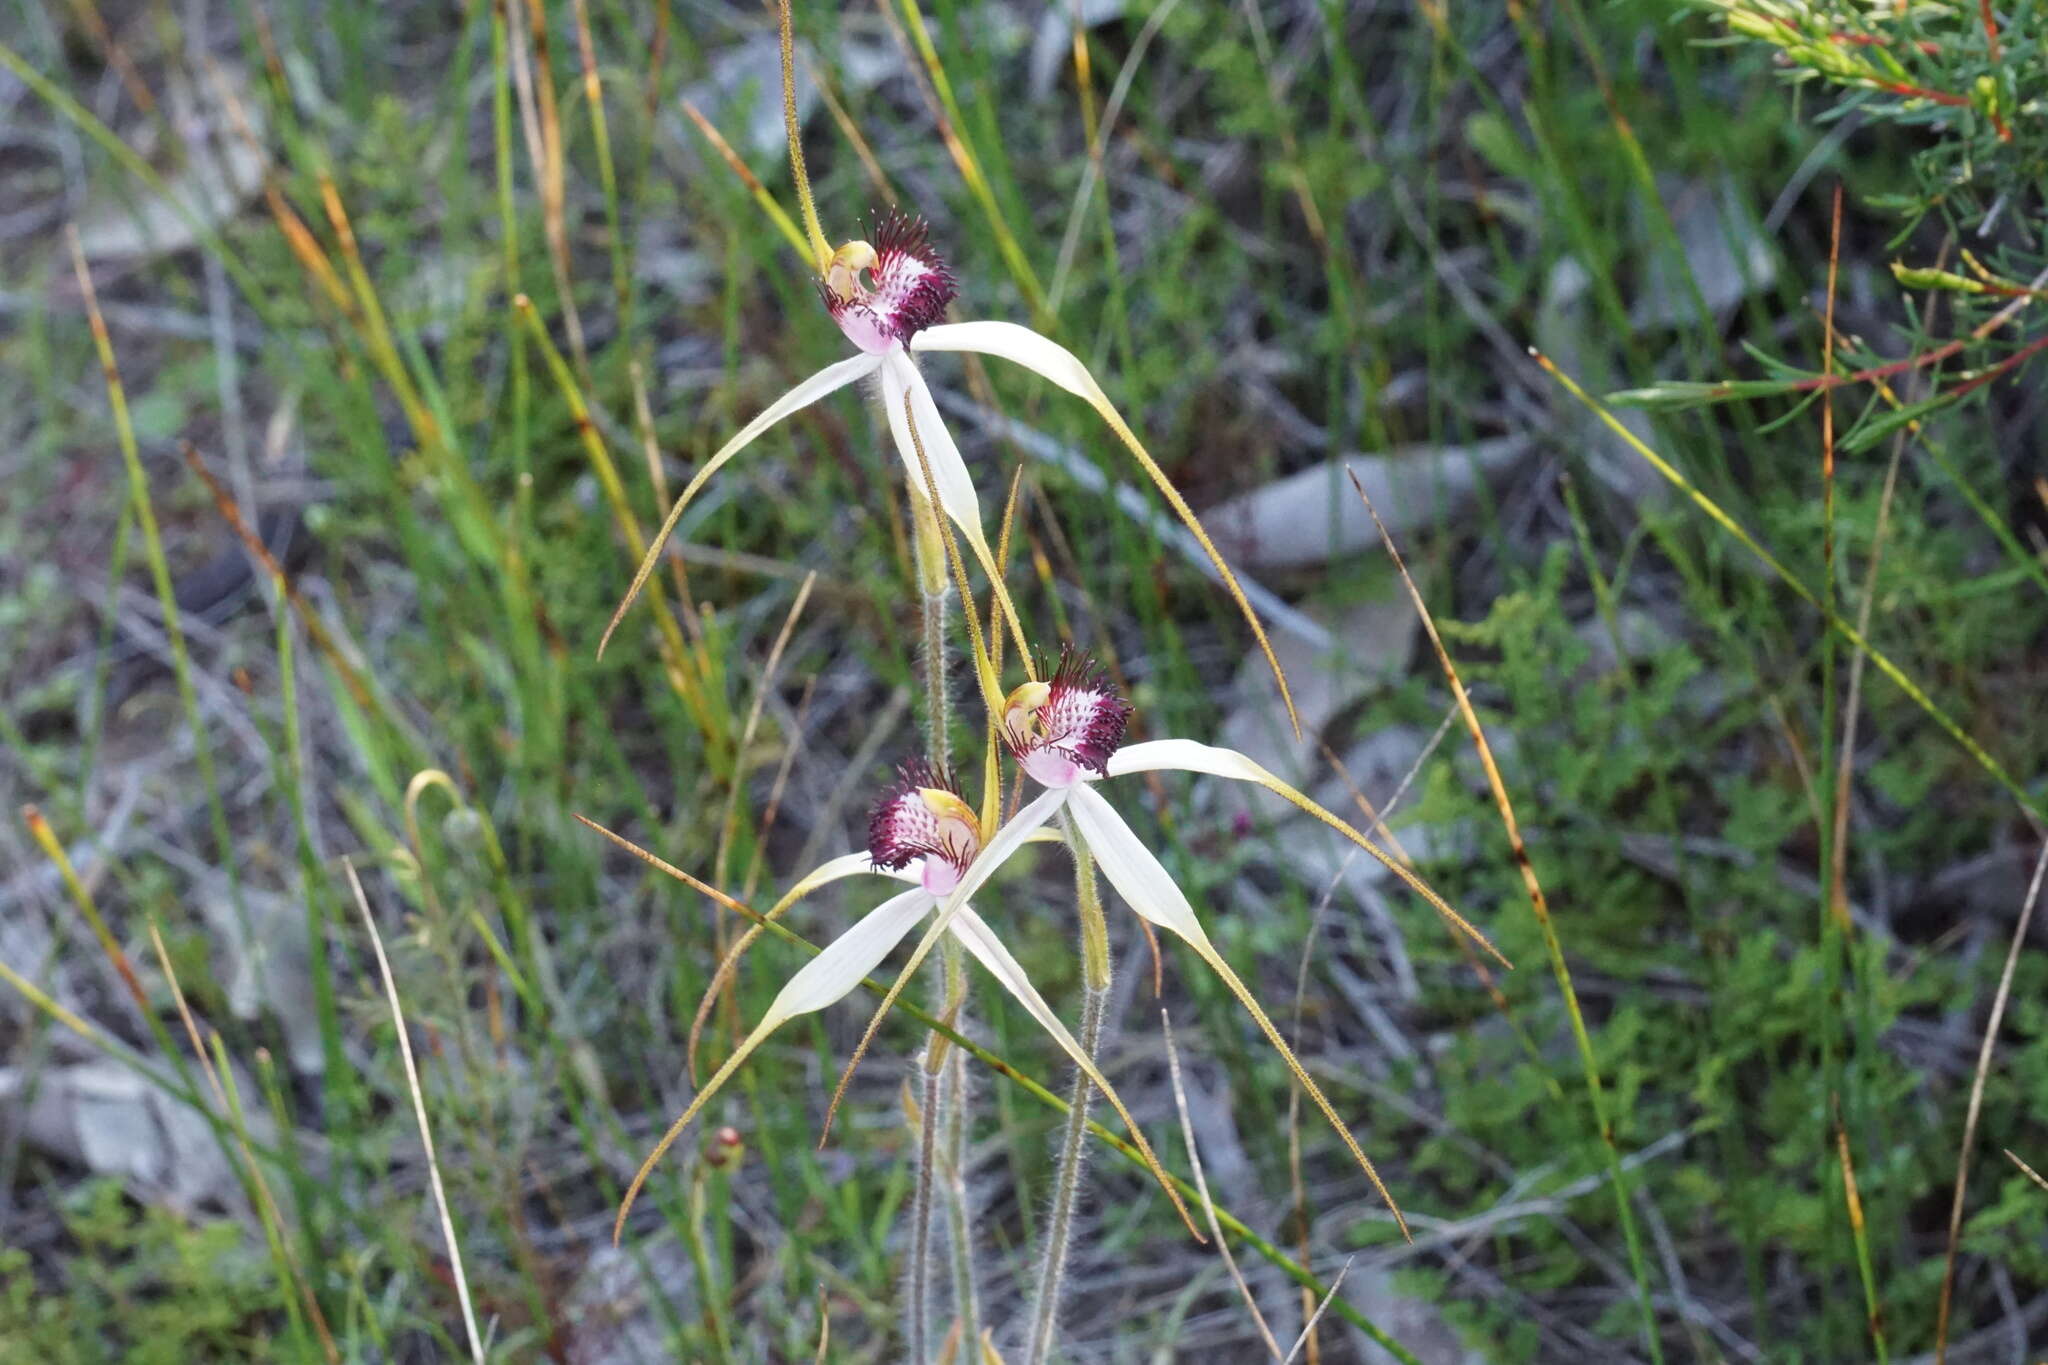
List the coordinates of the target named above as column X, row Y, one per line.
column 1289, row 237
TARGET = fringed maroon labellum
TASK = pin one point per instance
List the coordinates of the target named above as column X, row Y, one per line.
column 1070, row 723
column 881, row 293
column 923, row 819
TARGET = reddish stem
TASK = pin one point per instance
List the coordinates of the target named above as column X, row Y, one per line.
column 1912, row 362
column 2013, row 291
column 1918, row 92
column 1922, row 93
column 2003, row 367
column 1927, row 47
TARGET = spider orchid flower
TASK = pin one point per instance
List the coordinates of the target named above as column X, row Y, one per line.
column 882, row 292
column 924, row 833
column 889, row 294
column 1066, row 732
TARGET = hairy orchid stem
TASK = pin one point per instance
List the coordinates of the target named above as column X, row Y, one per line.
column 941, row 1141
column 793, row 130
column 1095, row 980
column 953, row 1116
column 917, row 1289
column 933, row 584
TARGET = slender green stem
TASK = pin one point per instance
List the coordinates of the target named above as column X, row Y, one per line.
column 917, row 1291
column 953, row 1118
column 1073, row 1157
column 166, row 595
column 932, row 586
column 941, row 1172
column 338, row 1077
column 700, row 1261
column 938, row 745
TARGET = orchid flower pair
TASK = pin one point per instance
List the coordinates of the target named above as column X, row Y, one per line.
column 889, row 296
column 1066, row 733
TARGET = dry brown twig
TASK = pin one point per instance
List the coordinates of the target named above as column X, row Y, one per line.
column 419, row 1110
column 1955, row 1211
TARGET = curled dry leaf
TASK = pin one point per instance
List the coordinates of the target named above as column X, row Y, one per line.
column 1372, row 644
column 1309, row 517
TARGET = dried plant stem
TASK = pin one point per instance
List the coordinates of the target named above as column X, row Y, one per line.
column 2025, row 1169
column 1187, row 1133
column 1539, row 905
column 1955, row 1211
column 1073, row 1157
column 419, row 1111
column 160, row 576
column 1885, row 664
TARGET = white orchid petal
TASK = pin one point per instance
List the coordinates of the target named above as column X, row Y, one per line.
column 910, row 873
column 981, row 941
column 994, row 854
column 1020, row 346
column 827, row 977
column 1137, row 875
column 846, row 961
column 845, row 865
column 828, row 380
column 949, row 470
column 1147, row 888
column 1021, row 830
column 1185, row 755
column 831, row 870
column 1047, row 358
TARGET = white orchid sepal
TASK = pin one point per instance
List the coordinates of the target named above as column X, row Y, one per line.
column 1049, row 360
column 1189, row 756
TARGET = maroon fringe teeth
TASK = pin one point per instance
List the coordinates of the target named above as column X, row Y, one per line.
column 1082, row 718
column 912, row 284
column 902, row 828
